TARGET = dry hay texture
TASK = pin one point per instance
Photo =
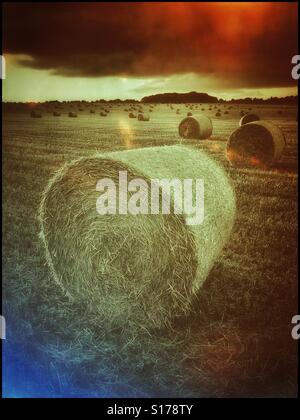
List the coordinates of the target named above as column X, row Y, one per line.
column 247, row 118
column 258, row 143
column 192, row 128
column 142, row 268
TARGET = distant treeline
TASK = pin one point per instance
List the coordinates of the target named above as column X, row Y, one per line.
column 196, row 97
column 161, row 98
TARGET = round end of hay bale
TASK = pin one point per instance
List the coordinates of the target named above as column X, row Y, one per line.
column 247, row 118
column 256, row 144
column 192, row 128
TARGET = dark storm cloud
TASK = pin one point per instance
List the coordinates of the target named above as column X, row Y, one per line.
column 245, row 44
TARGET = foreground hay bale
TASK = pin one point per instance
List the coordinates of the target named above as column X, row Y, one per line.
column 143, row 117
column 192, row 128
column 247, row 118
column 258, row 143
column 141, row 268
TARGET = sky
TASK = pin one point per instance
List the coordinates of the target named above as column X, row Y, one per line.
column 89, row 51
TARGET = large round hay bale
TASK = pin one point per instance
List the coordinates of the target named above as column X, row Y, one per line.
column 144, row 267
column 258, row 143
column 247, row 118
column 192, row 128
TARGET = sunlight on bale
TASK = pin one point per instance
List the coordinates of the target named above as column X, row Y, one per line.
column 192, row 128
column 144, row 268
column 259, row 143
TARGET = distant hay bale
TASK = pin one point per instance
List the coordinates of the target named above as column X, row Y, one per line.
column 92, row 111
column 143, row 117
column 56, row 114
column 143, row 268
column 192, row 128
column 72, row 114
column 247, row 118
column 189, row 114
column 35, row 114
column 131, row 115
column 218, row 114
column 258, row 143
column 103, row 114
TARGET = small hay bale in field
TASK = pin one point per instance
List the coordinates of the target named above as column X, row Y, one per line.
column 35, row 114
column 72, row 114
column 143, row 117
column 218, row 114
column 189, row 114
column 258, row 143
column 103, row 114
column 56, row 114
column 192, row 128
column 143, row 268
column 92, row 111
column 247, row 118
column 226, row 112
column 131, row 115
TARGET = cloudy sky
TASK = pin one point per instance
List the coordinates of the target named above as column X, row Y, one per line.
column 88, row 51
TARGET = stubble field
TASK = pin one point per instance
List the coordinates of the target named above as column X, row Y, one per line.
column 237, row 339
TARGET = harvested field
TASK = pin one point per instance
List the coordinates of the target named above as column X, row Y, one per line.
column 236, row 339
